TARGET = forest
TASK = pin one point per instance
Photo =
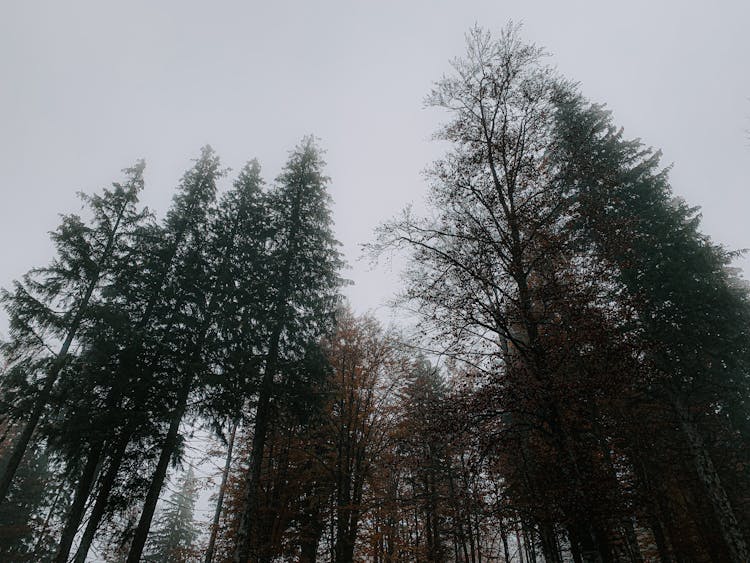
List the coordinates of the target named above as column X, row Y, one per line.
column 575, row 387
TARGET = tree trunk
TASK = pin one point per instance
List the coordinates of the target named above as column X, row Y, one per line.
column 50, row 513
column 248, row 525
column 732, row 535
column 631, row 539
column 100, row 505
column 313, row 527
column 504, row 538
column 519, row 544
column 152, row 497
column 528, row 541
column 220, row 500
column 575, row 548
column 665, row 554
column 549, row 543
column 77, row 509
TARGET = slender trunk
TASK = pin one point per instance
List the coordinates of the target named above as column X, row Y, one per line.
column 478, row 535
column 665, row 554
column 549, row 544
column 345, row 516
column 631, row 539
column 345, row 548
column 432, row 519
column 152, row 497
column 43, row 532
column 220, row 500
column 594, row 545
column 100, row 505
column 504, row 538
column 313, row 527
column 519, row 544
column 654, row 501
column 352, row 539
column 332, row 534
column 77, row 509
column 575, row 548
column 528, row 535
column 590, row 552
column 732, row 535
column 309, row 547
column 248, row 525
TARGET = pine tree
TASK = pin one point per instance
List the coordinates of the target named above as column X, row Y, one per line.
column 240, row 239
column 116, row 435
column 184, row 308
column 303, row 264
column 144, row 327
column 240, row 232
column 692, row 310
column 175, row 533
column 25, row 531
column 86, row 254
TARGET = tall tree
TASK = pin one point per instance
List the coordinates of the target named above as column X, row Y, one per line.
column 692, row 309
column 187, row 303
column 304, row 263
column 362, row 360
column 219, row 333
column 502, row 280
column 53, row 302
column 173, row 539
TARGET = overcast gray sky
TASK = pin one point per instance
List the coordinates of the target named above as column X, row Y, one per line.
column 89, row 87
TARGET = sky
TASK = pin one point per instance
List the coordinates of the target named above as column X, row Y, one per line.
column 89, row 87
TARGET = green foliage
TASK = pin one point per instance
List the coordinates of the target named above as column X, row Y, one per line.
column 693, row 311
column 173, row 537
column 28, row 518
column 56, row 303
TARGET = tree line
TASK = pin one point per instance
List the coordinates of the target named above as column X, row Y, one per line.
column 576, row 388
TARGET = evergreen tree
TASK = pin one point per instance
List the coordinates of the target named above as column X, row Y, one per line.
column 26, row 519
column 175, row 533
column 144, row 328
column 692, row 311
column 240, row 240
column 303, row 264
column 240, row 232
column 184, row 308
column 53, row 303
